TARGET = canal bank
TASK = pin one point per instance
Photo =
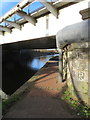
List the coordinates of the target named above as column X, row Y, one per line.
column 38, row 96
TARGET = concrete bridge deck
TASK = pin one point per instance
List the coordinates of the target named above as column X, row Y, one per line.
column 48, row 42
column 46, row 21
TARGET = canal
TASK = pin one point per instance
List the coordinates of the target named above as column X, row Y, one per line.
column 19, row 66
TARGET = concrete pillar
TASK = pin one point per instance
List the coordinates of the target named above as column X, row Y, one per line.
column 60, row 65
column 78, row 71
column 86, row 15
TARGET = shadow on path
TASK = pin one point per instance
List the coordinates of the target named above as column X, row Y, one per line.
column 43, row 100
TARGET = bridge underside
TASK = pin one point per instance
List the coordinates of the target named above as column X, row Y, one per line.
column 48, row 42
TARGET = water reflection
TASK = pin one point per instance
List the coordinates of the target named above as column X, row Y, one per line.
column 39, row 62
column 36, row 64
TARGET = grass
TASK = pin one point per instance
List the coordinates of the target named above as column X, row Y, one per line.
column 9, row 102
column 81, row 109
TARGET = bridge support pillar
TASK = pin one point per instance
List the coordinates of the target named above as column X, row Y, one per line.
column 75, row 42
column 76, row 70
column 60, row 65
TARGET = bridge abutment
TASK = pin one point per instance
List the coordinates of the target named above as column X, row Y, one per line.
column 76, row 59
column 74, row 41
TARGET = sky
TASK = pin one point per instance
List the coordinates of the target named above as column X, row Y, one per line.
column 6, row 5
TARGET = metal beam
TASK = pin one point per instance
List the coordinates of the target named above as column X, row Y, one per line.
column 50, row 7
column 5, row 29
column 27, row 17
column 13, row 24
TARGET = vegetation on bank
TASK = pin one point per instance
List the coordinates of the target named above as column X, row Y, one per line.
column 9, row 102
column 83, row 111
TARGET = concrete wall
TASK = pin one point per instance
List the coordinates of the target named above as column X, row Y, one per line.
column 76, row 60
column 66, row 17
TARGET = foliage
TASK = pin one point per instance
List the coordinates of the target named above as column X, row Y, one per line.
column 7, row 103
column 82, row 110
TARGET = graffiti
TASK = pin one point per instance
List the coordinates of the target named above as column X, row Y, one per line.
column 81, row 76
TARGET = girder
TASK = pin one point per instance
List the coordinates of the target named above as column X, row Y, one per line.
column 27, row 17
column 6, row 29
column 50, row 7
column 13, row 24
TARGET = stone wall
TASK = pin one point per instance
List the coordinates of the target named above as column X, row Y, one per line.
column 76, row 59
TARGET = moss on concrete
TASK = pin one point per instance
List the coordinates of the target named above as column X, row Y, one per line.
column 75, row 70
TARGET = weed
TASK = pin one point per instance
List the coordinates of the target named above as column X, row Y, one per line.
column 82, row 110
column 7, row 103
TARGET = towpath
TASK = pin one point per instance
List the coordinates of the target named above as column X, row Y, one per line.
column 42, row 100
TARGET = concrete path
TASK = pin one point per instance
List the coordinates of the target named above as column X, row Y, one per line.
column 43, row 100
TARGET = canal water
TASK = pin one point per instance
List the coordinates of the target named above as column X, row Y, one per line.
column 19, row 66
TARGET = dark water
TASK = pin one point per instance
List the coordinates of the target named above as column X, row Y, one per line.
column 19, row 66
